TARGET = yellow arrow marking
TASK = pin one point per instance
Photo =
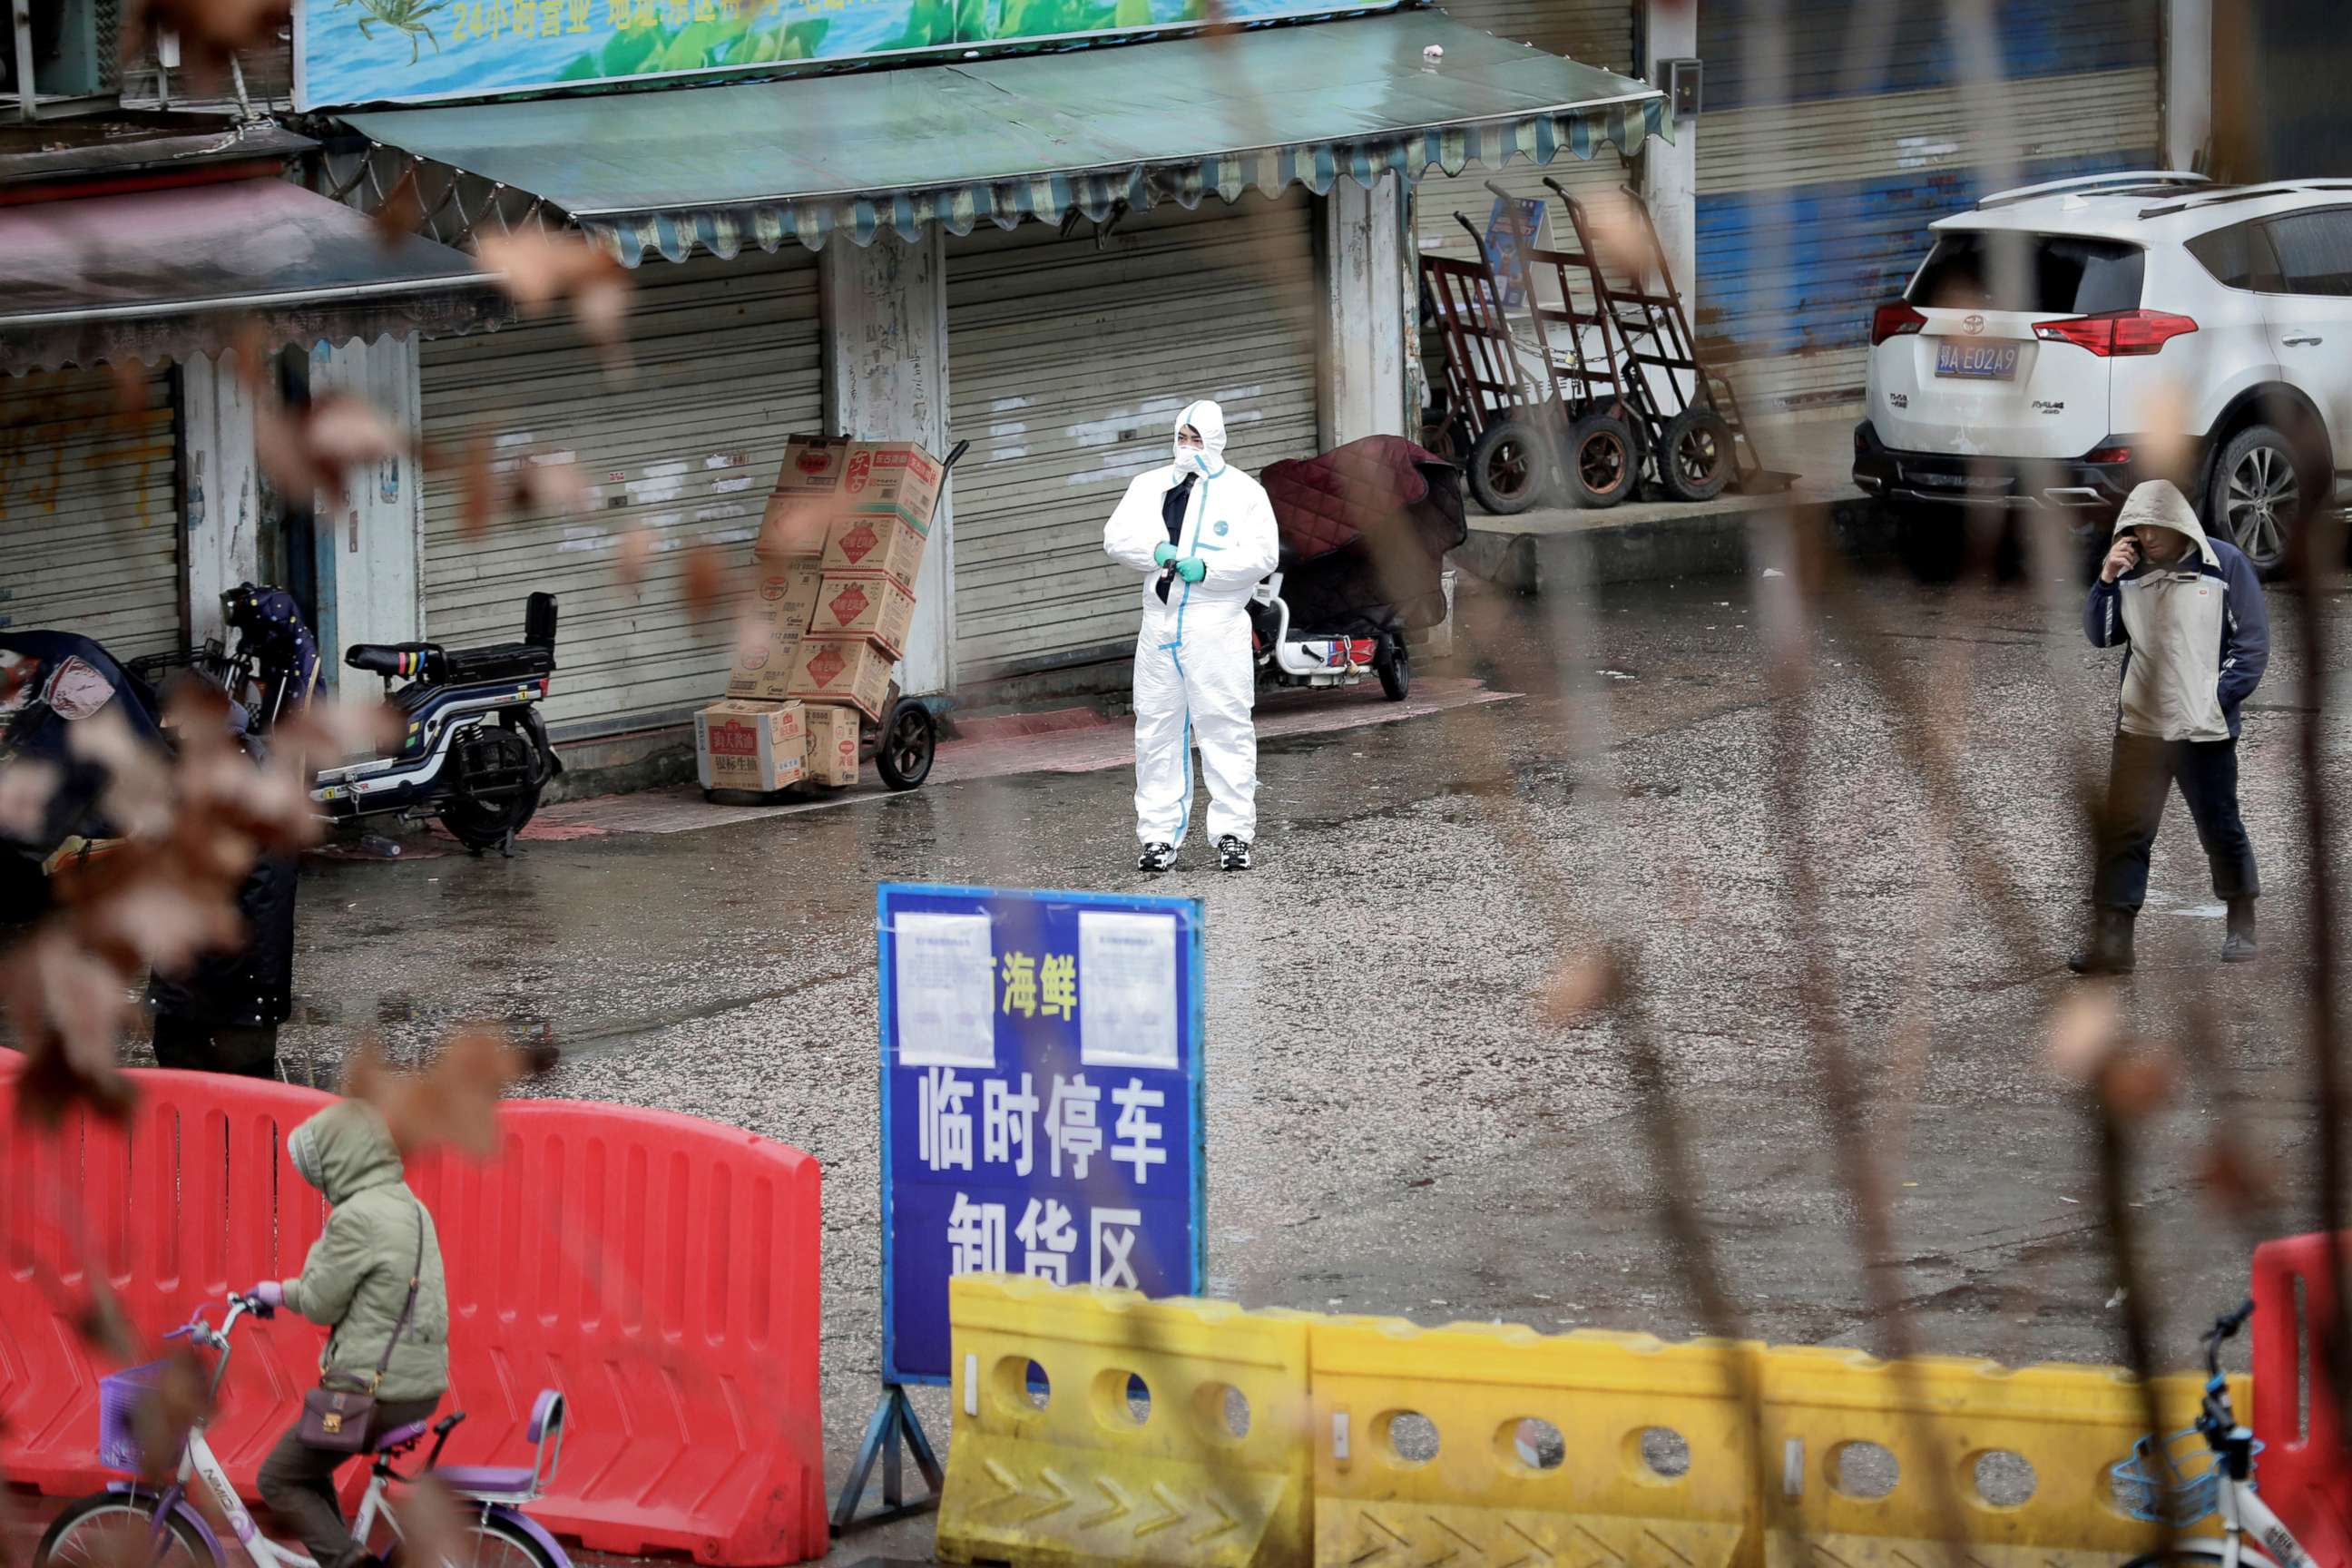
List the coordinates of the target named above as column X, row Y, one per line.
column 1121, row 1505
column 1061, row 1498
column 1002, row 1477
column 1535, row 1553
column 1382, row 1548
column 1167, row 1501
column 1227, row 1521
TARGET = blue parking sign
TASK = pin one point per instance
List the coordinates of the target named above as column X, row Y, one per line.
column 1041, row 1099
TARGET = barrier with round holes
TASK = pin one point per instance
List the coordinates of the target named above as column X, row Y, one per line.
column 1501, row 1445
column 1875, row 1461
column 1097, row 1425
column 1372, row 1443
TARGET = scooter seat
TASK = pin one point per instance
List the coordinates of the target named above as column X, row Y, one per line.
column 392, row 659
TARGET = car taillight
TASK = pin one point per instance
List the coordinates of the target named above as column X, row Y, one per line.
column 2118, row 332
column 1893, row 321
column 2109, row 455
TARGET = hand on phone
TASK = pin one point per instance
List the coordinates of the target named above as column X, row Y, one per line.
column 2122, row 556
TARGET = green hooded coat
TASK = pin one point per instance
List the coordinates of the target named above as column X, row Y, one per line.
column 356, row 1278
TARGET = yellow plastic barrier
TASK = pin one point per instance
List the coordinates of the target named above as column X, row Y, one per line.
column 1206, row 1465
column 1644, row 1465
column 1098, row 1426
column 2026, row 1454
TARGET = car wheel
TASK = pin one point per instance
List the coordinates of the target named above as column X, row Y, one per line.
column 2255, row 494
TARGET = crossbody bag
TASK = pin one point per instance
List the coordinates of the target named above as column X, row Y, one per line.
column 339, row 1415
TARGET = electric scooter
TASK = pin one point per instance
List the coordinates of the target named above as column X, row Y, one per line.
column 473, row 749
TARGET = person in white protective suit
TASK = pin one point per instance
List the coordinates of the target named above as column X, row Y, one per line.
column 1205, row 533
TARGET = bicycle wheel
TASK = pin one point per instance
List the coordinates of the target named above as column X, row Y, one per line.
column 114, row 1530
column 485, row 1541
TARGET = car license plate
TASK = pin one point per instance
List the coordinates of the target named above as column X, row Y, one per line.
column 1985, row 361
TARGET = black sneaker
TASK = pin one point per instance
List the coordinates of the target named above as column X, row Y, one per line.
column 1157, row 857
column 1233, row 854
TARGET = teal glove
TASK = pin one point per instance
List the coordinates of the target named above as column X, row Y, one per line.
column 1192, row 569
column 1162, row 553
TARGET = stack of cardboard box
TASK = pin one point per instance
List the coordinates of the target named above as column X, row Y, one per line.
column 834, row 602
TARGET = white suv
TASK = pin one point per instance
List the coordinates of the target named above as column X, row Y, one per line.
column 2056, row 334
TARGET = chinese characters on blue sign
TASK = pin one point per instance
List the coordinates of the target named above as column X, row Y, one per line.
column 1041, row 1099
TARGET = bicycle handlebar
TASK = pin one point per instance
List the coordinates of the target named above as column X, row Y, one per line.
column 2224, row 1328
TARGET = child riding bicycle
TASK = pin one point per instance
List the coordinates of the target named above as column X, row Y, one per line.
column 373, row 1279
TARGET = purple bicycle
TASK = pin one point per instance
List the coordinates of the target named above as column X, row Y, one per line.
column 134, row 1524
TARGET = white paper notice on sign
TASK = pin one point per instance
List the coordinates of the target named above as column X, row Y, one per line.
column 1127, row 990
column 944, row 975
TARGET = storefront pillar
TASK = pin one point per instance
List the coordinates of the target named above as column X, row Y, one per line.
column 886, row 328
column 368, row 560
column 1365, row 311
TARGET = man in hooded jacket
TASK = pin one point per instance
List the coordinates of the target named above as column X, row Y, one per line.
column 2188, row 612
column 1205, row 533
column 378, row 1244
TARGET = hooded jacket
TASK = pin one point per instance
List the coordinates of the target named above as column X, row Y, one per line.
column 2196, row 634
column 356, row 1278
column 1228, row 524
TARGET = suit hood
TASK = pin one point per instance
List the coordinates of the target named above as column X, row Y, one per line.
column 1210, row 421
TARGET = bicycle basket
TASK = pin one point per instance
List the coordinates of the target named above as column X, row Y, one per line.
column 2174, row 1483
column 120, row 1397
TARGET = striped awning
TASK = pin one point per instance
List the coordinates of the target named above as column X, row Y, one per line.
column 1036, row 136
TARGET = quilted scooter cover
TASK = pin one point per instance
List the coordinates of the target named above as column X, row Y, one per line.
column 1365, row 530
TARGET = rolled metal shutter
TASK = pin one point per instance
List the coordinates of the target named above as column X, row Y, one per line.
column 1065, row 367
column 1819, row 166
column 1595, row 32
column 90, row 509
column 728, row 361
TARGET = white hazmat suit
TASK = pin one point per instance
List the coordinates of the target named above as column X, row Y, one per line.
column 1194, row 679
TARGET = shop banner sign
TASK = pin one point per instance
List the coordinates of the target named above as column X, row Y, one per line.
column 349, row 52
column 1041, row 1099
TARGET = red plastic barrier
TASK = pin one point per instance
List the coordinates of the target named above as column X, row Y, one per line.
column 660, row 1271
column 2302, row 1428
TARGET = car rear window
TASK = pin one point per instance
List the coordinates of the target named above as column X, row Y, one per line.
column 2042, row 273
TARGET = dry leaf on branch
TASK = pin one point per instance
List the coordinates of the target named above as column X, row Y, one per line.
column 453, row 1102
column 402, row 213
column 1580, row 988
column 178, row 1397
column 2081, row 1039
column 539, row 270
column 67, row 1009
column 313, row 452
column 706, row 577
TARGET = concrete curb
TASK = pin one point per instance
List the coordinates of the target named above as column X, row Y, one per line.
column 1650, row 550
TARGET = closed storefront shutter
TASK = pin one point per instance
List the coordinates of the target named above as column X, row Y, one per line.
column 727, row 364
column 1067, row 365
column 1594, row 32
column 1824, row 153
column 90, row 510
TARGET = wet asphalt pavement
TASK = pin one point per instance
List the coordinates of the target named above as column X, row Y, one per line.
column 1392, row 1128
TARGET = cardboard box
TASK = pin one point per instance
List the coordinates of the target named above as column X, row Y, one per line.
column 757, row 746
column 886, row 545
column 859, row 606
column 873, row 479
column 795, row 528
column 769, row 632
column 832, row 745
column 857, row 674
